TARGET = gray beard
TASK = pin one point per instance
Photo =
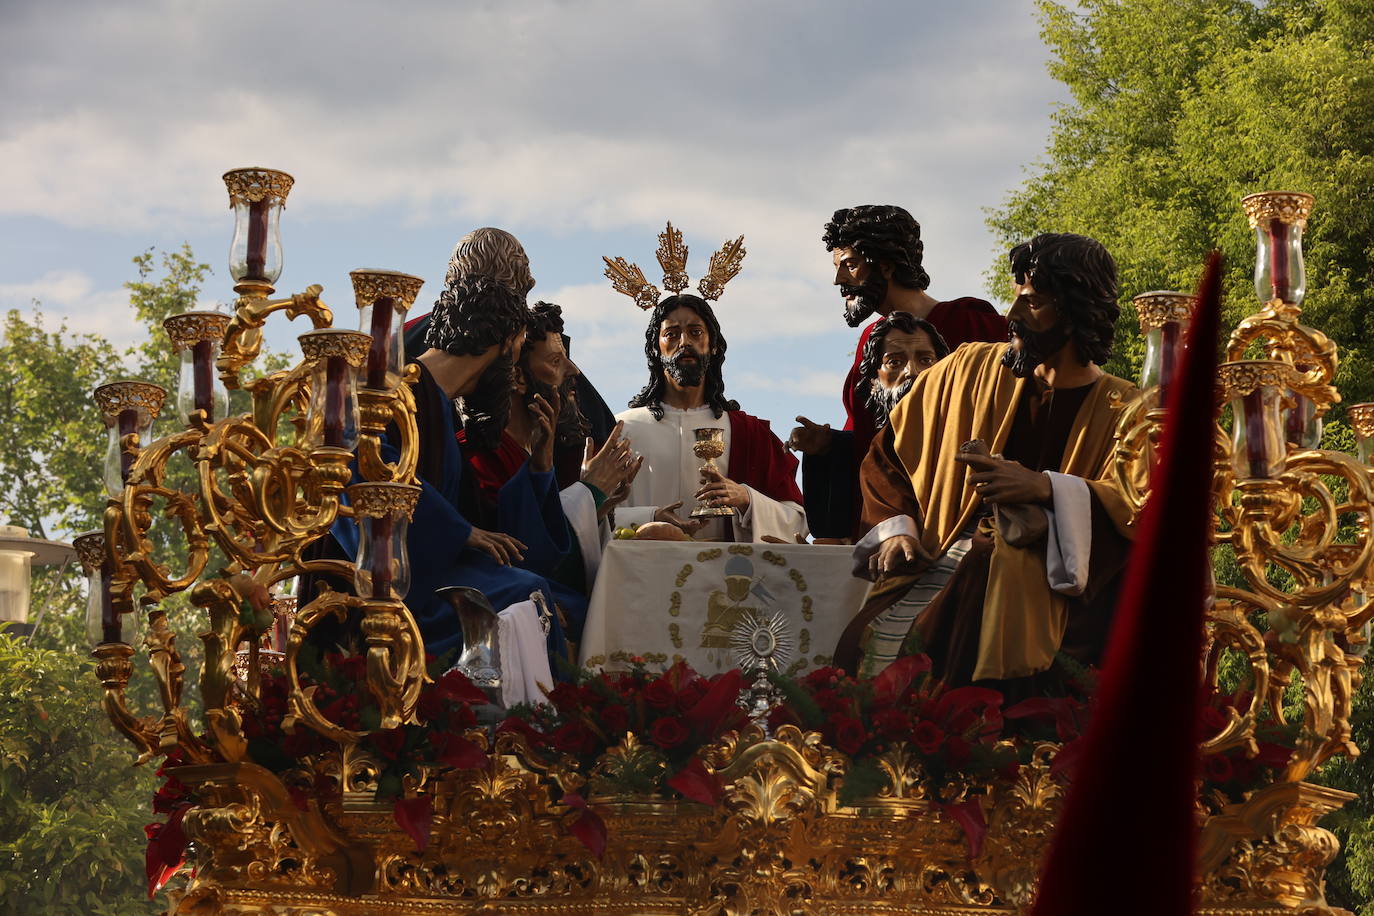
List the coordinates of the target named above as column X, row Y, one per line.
column 882, row 401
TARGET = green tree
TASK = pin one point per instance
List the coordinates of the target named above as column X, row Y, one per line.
column 1179, row 109
column 72, row 809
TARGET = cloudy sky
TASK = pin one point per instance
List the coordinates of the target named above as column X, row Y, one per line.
column 579, row 125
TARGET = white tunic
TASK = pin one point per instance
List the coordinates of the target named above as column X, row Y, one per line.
column 671, row 473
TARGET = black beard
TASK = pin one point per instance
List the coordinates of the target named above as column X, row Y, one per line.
column 572, row 429
column 688, row 375
column 868, row 297
column 1036, row 347
column 487, row 409
column 882, row 401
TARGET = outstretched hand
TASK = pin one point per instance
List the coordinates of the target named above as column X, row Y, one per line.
column 622, row 491
column 1001, row 480
column 606, row 468
column 810, row 439
column 502, row 547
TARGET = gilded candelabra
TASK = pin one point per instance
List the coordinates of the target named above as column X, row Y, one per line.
column 313, row 839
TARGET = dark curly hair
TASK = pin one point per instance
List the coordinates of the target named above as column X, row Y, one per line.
column 1081, row 276
column 474, row 313
column 652, row 394
column 543, row 319
column 546, row 318
column 904, row 322
column 881, row 233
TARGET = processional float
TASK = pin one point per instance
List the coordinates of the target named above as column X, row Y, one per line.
column 325, row 783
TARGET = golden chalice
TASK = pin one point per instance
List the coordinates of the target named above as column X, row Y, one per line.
column 709, row 446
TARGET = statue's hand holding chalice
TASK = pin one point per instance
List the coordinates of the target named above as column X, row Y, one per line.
column 718, row 496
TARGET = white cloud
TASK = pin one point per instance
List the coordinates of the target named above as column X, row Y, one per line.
column 71, row 296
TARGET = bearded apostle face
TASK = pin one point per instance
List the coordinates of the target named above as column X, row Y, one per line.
column 684, row 347
column 1037, row 329
column 905, row 357
column 862, row 284
column 545, row 368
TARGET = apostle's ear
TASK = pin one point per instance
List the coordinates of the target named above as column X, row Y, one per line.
column 517, row 380
column 886, row 268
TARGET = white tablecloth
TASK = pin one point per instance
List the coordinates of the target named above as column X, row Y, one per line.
column 670, row 600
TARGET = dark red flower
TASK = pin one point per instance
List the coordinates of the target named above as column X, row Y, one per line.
column 891, row 723
column 690, row 694
column 957, row 751
column 1217, row 768
column 668, row 732
column 824, row 677
column 457, row 751
column 1273, row 755
column 456, row 686
column 575, row 738
column 533, row 736
column 659, row 693
column 849, row 734
column 353, row 667
column 390, row 742
column 432, row 707
column 566, row 698
column 1210, row 721
column 615, row 721
column 927, row 737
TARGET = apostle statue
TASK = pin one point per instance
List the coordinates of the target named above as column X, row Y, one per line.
column 561, row 527
column 996, row 536
column 877, row 252
column 477, row 328
column 754, row 480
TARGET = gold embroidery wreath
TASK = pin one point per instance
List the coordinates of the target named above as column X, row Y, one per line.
column 627, row 278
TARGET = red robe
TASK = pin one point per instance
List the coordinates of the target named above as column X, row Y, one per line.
column 758, row 459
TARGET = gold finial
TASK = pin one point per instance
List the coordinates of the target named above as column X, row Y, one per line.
column 725, row 265
column 629, row 279
column 1291, row 207
column 672, row 257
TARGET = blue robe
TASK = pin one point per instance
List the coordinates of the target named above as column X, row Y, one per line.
column 439, row 531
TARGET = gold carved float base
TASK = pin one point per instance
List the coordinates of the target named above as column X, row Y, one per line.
column 778, row 843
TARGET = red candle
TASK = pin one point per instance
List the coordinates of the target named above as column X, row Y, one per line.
column 1256, row 452
column 1170, row 345
column 381, row 557
column 377, row 354
column 202, row 370
column 111, row 629
column 257, row 240
column 1299, row 417
column 128, row 425
column 335, row 367
column 279, row 630
column 1278, row 259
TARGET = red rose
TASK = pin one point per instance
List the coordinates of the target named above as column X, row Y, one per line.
column 957, row 751
column 927, row 737
column 658, row 693
column 566, row 698
column 390, row 742
column 1211, row 720
column 668, row 732
column 823, row 677
column 690, row 694
column 615, row 721
column 353, row 667
column 456, row 686
column 1217, row 768
column 849, row 734
column 515, row 724
column 574, row 738
column 431, row 706
column 891, row 723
